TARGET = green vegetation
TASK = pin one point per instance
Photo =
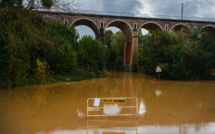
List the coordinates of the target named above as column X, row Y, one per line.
column 114, row 50
column 182, row 55
column 31, row 4
column 35, row 51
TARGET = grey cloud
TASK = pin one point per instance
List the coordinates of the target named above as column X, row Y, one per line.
column 108, row 5
column 196, row 8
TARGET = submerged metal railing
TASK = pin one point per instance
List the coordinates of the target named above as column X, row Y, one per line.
column 109, row 107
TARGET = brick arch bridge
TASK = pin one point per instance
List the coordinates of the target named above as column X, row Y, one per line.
column 129, row 26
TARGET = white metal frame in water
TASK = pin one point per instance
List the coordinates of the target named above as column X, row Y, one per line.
column 126, row 98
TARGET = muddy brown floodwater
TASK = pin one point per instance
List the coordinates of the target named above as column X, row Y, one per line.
column 168, row 107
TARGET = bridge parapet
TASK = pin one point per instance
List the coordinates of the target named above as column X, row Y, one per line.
column 136, row 15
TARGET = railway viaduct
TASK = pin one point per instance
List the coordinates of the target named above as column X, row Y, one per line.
column 129, row 25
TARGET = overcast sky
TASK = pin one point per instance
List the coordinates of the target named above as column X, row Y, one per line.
column 195, row 8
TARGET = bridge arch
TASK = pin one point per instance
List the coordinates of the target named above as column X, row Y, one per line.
column 123, row 26
column 151, row 26
column 179, row 26
column 87, row 22
column 129, row 42
column 210, row 29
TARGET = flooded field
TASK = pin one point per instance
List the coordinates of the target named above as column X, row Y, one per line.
column 165, row 107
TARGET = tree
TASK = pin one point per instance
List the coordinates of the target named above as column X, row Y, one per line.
column 115, row 50
column 140, row 38
column 45, row 3
column 118, row 43
column 181, row 55
column 10, row 3
column 91, row 54
column 40, row 4
column 108, row 35
column 30, row 3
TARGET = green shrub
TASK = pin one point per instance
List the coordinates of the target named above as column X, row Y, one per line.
column 62, row 60
column 91, row 54
column 182, row 56
column 21, row 37
column 115, row 50
column 119, row 63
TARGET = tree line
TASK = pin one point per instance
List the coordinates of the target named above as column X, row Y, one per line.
column 34, row 50
column 182, row 55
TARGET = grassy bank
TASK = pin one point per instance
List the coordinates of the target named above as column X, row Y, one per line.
column 56, row 78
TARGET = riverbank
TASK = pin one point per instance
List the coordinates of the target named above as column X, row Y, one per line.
column 57, row 78
column 77, row 76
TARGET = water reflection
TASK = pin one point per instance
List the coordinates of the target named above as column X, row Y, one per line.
column 188, row 129
column 173, row 107
column 127, row 85
column 142, row 108
column 111, row 109
column 158, row 92
column 117, row 126
column 42, row 94
column 80, row 114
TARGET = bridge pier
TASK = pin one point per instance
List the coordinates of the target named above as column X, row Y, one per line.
column 131, row 54
column 101, row 36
